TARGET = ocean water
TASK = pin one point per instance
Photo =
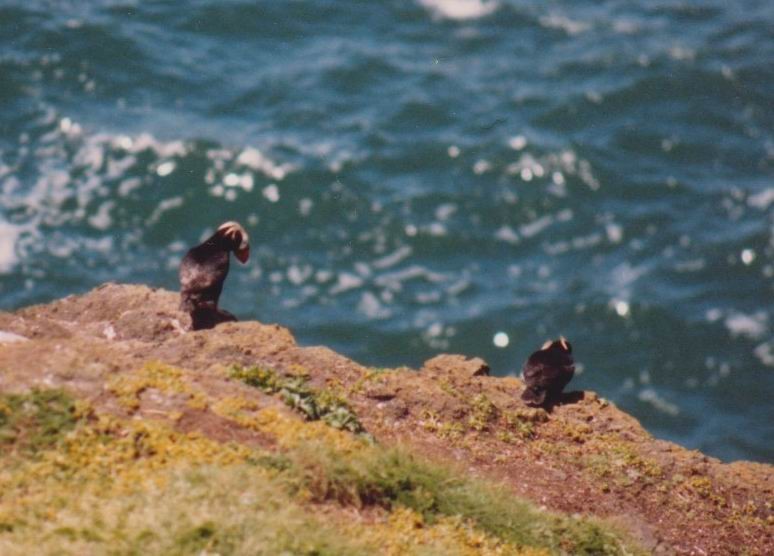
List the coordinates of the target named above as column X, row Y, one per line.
column 422, row 176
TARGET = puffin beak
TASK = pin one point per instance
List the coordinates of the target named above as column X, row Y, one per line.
column 242, row 254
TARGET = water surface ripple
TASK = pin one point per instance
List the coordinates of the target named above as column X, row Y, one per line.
column 418, row 176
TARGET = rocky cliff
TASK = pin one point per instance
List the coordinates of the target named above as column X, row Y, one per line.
column 104, row 392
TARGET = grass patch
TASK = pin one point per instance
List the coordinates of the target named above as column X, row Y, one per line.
column 188, row 510
column 37, row 420
column 112, row 486
column 324, row 405
column 393, row 479
column 139, row 487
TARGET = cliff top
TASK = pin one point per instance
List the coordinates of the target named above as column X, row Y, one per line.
column 123, row 351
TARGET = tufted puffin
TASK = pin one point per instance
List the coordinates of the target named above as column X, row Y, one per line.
column 547, row 372
column 203, row 271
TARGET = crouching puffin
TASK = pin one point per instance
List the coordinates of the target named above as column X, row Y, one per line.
column 203, row 271
column 547, row 372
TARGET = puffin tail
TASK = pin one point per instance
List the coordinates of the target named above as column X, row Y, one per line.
column 534, row 397
column 204, row 318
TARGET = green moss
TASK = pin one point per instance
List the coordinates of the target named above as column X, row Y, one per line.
column 482, row 413
column 35, row 421
column 266, row 379
column 449, row 430
column 325, row 404
column 620, row 461
column 522, row 424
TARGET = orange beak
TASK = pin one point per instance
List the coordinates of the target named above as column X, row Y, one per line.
column 242, row 254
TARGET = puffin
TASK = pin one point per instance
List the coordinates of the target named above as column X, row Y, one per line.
column 203, row 271
column 546, row 373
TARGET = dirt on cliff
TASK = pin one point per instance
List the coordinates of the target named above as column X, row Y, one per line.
column 584, row 456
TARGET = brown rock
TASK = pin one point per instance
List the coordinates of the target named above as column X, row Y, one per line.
column 381, row 392
column 457, row 364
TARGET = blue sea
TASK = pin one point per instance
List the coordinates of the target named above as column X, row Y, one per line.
column 422, row 176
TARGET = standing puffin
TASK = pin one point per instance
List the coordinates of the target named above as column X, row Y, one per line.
column 203, row 271
column 547, row 372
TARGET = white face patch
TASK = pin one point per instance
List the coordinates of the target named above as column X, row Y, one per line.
column 546, row 345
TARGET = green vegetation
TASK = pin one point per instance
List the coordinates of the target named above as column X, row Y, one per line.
column 484, row 416
column 524, row 422
column 134, row 486
column 35, row 421
column 128, row 387
column 314, row 404
column 483, row 413
column 223, row 510
column 392, row 479
column 618, row 460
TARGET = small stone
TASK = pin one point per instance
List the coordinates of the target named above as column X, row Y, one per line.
column 10, row 337
column 380, row 392
column 457, row 364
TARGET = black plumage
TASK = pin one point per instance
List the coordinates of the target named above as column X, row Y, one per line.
column 203, row 271
column 547, row 372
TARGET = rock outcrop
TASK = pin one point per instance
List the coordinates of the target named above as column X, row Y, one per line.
column 585, row 456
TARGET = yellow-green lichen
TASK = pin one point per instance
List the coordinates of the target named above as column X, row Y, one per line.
column 128, row 387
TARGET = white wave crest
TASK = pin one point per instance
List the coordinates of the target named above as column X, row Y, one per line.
column 650, row 396
column 752, row 326
column 460, row 10
column 560, row 21
column 8, row 236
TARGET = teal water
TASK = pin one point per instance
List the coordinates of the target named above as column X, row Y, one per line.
column 421, row 176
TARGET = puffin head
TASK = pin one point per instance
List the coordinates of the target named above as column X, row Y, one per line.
column 236, row 238
column 561, row 345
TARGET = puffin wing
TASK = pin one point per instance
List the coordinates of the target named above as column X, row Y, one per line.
column 201, row 278
column 566, row 370
column 539, row 372
column 194, row 277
